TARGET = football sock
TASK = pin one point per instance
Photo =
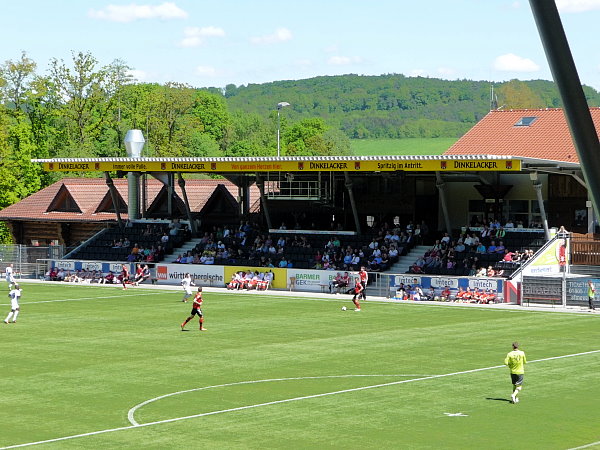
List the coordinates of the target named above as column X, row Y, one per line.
column 8, row 317
column 16, row 313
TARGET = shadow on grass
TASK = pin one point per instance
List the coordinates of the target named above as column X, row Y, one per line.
column 499, row 399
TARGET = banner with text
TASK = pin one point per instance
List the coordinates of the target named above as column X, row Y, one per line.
column 350, row 165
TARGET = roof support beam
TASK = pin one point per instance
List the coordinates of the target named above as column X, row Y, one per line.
column 188, row 210
column 352, row 201
column 540, row 198
column 260, row 182
column 113, row 196
column 576, row 108
column 440, row 185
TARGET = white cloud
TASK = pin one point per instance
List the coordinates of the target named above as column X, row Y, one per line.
column 418, row 73
column 206, row 71
column 446, row 72
column 576, row 6
column 194, row 36
column 280, row 35
column 513, row 63
column 343, row 60
column 129, row 13
column 138, row 75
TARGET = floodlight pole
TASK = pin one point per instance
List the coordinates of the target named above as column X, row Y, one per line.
column 577, row 111
column 280, row 106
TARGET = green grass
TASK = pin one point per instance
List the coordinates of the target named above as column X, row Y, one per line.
column 78, row 366
column 414, row 146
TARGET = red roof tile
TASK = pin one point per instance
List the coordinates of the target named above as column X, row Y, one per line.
column 548, row 137
column 89, row 192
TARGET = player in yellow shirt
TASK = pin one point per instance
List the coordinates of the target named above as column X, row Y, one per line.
column 516, row 360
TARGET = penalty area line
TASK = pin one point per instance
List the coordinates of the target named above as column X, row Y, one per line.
column 288, row 400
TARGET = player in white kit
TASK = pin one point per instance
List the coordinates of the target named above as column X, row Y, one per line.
column 187, row 284
column 10, row 278
column 14, row 295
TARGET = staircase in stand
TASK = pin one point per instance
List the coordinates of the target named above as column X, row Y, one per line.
column 186, row 247
column 404, row 262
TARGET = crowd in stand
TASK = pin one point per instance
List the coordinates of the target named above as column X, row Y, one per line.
column 470, row 254
column 246, row 243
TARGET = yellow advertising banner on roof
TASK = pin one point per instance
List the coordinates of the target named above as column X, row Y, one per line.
column 392, row 165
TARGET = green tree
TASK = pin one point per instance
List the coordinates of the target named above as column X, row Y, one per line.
column 516, row 94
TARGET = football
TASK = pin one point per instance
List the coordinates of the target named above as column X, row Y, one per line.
column 343, row 308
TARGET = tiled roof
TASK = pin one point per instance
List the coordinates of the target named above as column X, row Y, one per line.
column 89, row 192
column 547, row 137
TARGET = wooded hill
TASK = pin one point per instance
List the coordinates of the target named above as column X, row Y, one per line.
column 395, row 106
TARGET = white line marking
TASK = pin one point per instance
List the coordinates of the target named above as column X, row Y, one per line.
column 133, row 410
column 240, row 408
column 83, row 298
column 592, row 444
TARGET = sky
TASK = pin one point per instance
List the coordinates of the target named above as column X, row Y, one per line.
column 210, row 43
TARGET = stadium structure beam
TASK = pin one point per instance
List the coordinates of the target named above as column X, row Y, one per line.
column 439, row 183
column 260, row 183
column 352, row 201
column 188, row 211
column 113, row 196
column 577, row 112
column 540, row 198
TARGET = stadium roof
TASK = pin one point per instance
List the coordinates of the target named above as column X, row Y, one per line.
column 524, row 133
column 85, row 199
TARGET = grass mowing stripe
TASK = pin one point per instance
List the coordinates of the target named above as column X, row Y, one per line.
column 241, row 408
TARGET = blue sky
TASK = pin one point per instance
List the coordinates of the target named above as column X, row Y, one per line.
column 214, row 43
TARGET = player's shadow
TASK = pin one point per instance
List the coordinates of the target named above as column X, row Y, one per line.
column 498, row 399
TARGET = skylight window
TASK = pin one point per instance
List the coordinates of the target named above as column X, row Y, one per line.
column 525, row 121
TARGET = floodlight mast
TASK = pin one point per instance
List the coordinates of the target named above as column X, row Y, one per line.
column 576, row 108
column 280, row 106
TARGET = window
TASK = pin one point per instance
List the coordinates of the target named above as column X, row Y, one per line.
column 525, row 121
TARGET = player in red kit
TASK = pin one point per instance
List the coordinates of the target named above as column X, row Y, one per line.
column 364, row 277
column 196, row 311
column 124, row 276
column 358, row 292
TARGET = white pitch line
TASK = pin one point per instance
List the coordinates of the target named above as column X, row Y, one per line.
column 258, row 405
column 591, row 444
column 133, row 410
column 82, row 299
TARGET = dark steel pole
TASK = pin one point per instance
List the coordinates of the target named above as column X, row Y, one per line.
column 576, row 109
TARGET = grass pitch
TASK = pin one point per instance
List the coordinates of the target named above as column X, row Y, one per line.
column 288, row 372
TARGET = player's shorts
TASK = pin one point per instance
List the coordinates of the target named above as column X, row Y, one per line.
column 188, row 291
column 196, row 311
column 517, row 378
column 14, row 303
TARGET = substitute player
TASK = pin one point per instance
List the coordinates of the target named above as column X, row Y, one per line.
column 15, row 295
column 187, row 284
column 515, row 360
column 196, row 311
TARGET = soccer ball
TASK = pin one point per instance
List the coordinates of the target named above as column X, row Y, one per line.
column 343, row 308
